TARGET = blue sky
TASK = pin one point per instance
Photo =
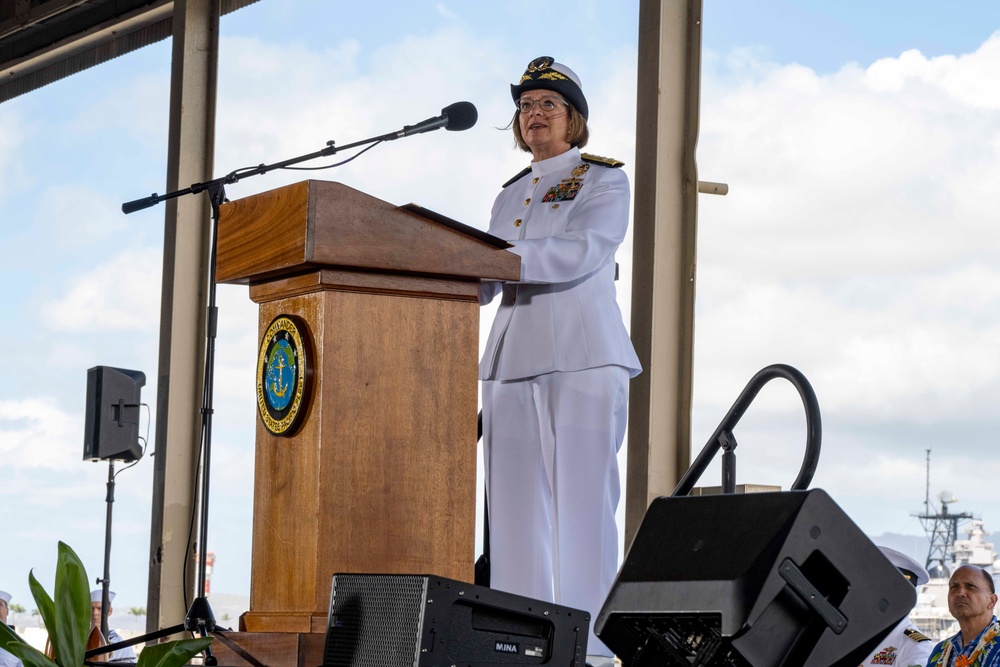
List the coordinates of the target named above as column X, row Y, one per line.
column 860, row 141
column 826, row 34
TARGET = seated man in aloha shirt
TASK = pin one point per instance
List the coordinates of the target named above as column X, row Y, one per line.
column 971, row 598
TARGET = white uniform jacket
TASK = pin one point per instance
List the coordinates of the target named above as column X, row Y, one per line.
column 904, row 646
column 566, row 218
column 8, row 660
column 123, row 654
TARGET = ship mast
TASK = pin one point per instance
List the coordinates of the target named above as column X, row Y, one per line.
column 941, row 527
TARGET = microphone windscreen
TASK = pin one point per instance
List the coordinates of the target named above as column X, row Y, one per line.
column 461, row 116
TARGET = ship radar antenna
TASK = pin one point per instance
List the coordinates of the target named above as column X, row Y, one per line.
column 927, row 485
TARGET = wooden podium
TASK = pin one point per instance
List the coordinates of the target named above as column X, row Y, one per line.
column 380, row 475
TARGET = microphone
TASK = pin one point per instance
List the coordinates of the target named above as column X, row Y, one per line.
column 454, row 117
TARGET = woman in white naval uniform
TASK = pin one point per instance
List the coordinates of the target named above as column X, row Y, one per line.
column 558, row 359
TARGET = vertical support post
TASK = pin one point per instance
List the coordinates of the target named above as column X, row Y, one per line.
column 664, row 242
column 186, row 249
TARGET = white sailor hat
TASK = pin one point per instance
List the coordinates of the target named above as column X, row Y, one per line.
column 98, row 595
column 5, row 596
column 914, row 572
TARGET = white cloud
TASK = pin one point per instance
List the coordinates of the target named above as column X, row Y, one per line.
column 872, row 350
column 122, row 294
column 77, row 217
column 969, row 79
column 832, row 176
column 35, row 433
column 236, row 349
column 857, row 244
column 446, row 13
column 72, row 353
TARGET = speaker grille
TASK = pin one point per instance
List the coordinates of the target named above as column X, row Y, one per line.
column 375, row 621
column 680, row 639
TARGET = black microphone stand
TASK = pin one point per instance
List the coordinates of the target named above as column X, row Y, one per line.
column 199, row 618
column 105, row 580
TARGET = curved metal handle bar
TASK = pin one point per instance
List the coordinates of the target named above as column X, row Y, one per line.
column 813, row 427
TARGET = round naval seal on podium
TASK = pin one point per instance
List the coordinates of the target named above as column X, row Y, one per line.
column 283, row 373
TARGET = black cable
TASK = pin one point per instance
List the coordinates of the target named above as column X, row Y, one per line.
column 145, row 442
column 336, row 164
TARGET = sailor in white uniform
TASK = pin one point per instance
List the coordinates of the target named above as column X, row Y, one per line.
column 6, row 659
column 123, row 654
column 904, row 645
column 558, row 359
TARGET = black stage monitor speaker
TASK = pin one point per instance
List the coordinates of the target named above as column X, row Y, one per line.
column 111, row 430
column 387, row 620
column 751, row 580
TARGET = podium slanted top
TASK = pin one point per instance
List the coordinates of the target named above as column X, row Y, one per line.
column 313, row 224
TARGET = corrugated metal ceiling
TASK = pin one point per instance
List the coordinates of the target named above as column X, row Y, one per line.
column 42, row 41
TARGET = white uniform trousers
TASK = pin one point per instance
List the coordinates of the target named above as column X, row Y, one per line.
column 550, row 450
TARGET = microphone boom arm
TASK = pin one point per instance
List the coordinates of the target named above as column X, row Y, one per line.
column 236, row 176
column 457, row 116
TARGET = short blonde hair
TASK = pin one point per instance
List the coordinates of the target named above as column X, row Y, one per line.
column 577, row 132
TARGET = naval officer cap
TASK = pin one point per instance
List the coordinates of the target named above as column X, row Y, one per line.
column 914, row 572
column 5, row 596
column 546, row 74
column 98, row 595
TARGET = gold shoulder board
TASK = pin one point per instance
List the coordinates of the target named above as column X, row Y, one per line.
column 518, row 176
column 916, row 635
column 603, row 161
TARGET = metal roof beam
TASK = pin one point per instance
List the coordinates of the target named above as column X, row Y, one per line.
column 43, row 42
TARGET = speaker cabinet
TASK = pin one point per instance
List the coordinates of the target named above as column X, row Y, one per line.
column 755, row 580
column 111, row 429
column 383, row 620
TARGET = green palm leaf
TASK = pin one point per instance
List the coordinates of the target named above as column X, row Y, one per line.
column 29, row 655
column 67, row 619
column 46, row 608
column 72, row 607
column 172, row 654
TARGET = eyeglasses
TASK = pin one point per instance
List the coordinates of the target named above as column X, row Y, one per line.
column 546, row 104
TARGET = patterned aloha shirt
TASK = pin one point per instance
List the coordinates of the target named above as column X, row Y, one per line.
column 983, row 651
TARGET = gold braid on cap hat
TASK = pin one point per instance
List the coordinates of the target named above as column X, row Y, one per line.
column 540, row 65
column 537, row 64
